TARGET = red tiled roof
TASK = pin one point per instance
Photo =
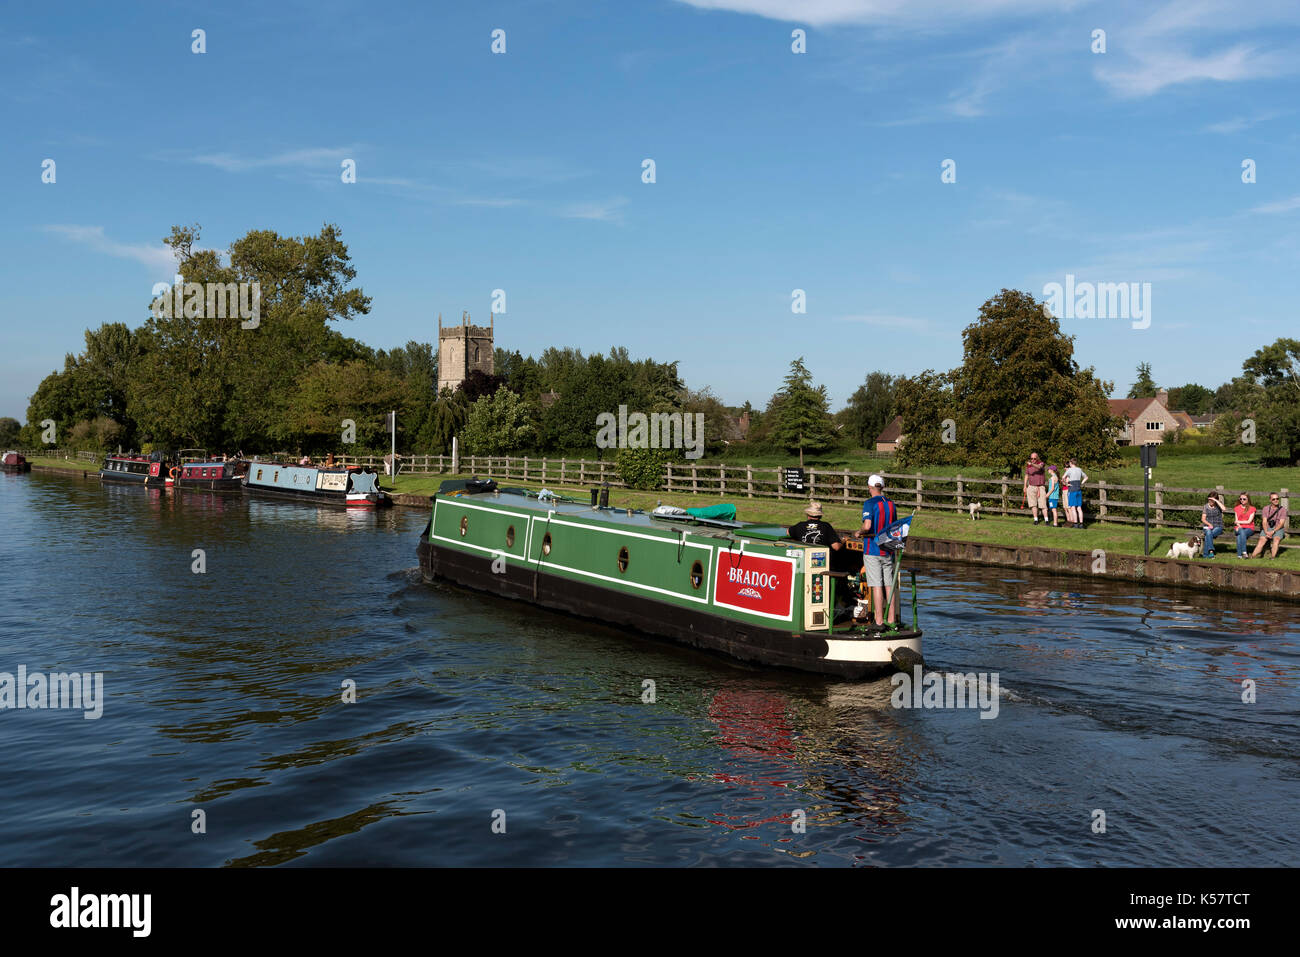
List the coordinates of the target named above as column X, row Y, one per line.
column 1128, row 408
column 892, row 431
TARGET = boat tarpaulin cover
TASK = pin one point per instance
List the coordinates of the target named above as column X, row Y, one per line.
column 725, row 512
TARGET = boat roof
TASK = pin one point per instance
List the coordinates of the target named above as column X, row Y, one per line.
column 521, row 498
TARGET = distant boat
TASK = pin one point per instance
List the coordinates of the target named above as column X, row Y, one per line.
column 205, row 473
column 135, row 469
column 351, row 486
column 14, row 462
column 735, row 588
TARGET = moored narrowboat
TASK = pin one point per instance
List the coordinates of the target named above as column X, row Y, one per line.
column 14, row 462
column 149, row 470
column 218, row 475
column 739, row 589
column 351, row 486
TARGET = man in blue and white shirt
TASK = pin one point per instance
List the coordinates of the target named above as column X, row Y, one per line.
column 878, row 513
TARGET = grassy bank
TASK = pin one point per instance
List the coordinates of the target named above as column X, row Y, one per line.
column 76, row 465
column 1119, row 539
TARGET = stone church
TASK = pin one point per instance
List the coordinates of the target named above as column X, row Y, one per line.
column 461, row 350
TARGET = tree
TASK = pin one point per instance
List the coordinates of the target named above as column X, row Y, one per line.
column 9, row 429
column 1144, row 387
column 1276, row 409
column 326, row 394
column 870, row 409
column 1017, row 390
column 498, row 424
column 1191, row 398
column 801, row 418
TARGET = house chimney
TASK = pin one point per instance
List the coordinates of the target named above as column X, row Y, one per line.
column 1163, row 397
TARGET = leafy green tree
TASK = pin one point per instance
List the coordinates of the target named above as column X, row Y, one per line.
column 1017, row 390
column 498, row 424
column 326, row 393
column 643, row 468
column 870, row 409
column 1145, row 386
column 1191, row 398
column 1276, row 409
column 801, row 418
column 9, row 429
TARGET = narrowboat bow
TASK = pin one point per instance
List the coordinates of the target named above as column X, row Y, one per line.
column 735, row 588
column 15, row 462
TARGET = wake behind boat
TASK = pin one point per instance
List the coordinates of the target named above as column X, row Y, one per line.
column 740, row 589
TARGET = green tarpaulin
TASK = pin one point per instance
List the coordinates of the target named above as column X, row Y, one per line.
column 725, row 512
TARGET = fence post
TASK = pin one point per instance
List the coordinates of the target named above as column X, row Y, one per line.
column 749, row 480
column 1004, row 496
column 1101, row 501
column 722, row 480
column 960, row 489
column 1160, row 501
column 1285, row 496
column 846, row 488
column 582, row 471
column 780, row 490
column 918, row 491
column 668, row 476
column 695, row 481
column 812, row 483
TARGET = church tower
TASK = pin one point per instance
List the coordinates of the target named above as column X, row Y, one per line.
column 462, row 349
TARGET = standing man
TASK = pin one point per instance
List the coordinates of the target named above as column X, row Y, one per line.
column 878, row 513
column 1036, row 486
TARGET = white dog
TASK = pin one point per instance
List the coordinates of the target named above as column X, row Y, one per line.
column 1187, row 549
column 975, row 510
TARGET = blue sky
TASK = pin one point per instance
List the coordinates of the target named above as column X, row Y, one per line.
column 775, row 171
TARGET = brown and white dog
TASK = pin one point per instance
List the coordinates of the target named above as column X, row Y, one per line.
column 1188, row 549
column 975, row 510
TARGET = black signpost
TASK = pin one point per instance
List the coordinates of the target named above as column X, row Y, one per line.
column 793, row 478
column 1147, row 458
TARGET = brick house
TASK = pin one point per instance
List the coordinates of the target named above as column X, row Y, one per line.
column 891, row 437
column 1147, row 420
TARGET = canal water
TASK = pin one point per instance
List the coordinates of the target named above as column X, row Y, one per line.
column 223, row 695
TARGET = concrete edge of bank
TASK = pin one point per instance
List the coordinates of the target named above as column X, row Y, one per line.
column 1258, row 579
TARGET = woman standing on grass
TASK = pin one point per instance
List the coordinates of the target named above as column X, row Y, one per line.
column 1054, row 496
column 1245, row 513
column 1074, row 479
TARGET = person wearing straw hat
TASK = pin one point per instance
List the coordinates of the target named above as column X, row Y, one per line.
column 878, row 513
column 813, row 531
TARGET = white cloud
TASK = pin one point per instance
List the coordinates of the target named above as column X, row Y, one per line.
column 1156, row 69
column 159, row 258
column 305, row 157
column 822, row 13
column 607, row 211
column 1281, row 206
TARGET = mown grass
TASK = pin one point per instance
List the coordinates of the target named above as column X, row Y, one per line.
column 81, row 465
column 997, row 530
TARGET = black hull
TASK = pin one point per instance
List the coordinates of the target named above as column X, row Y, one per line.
column 315, row 498
column 127, row 478
column 701, row 630
column 211, row 485
column 25, row 467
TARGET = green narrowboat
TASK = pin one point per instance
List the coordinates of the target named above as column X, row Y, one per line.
column 738, row 589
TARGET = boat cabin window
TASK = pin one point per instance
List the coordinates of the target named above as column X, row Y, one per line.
column 464, row 525
column 510, row 537
column 546, row 544
column 259, row 475
column 622, row 559
column 697, row 575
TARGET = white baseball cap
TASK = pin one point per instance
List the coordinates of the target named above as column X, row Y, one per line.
column 876, row 480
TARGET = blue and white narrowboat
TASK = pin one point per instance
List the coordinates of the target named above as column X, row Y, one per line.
column 352, row 486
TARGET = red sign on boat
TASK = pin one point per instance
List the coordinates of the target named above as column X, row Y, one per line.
column 757, row 584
